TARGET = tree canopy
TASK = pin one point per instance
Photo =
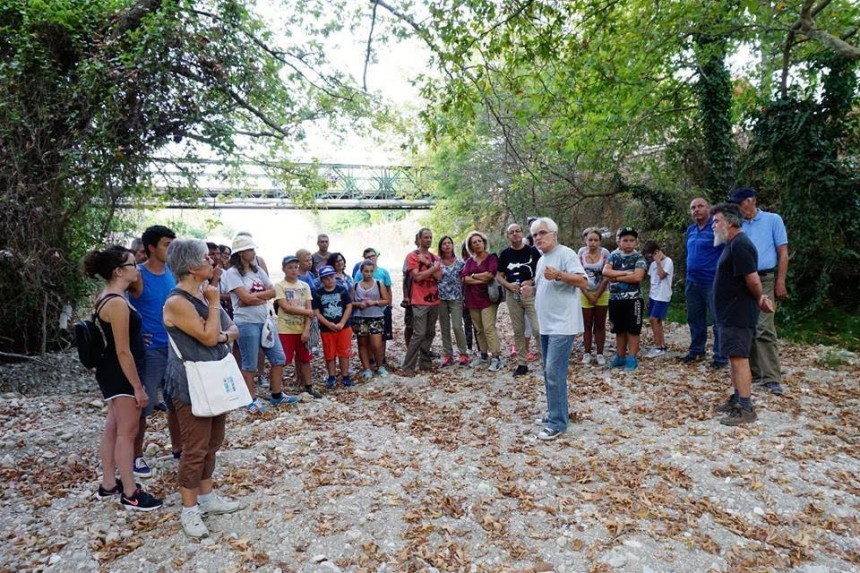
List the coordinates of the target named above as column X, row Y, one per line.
column 607, row 112
column 92, row 90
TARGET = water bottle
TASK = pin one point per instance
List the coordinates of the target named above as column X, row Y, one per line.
column 518, row 293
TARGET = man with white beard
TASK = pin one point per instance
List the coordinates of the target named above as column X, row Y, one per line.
column 738, row 297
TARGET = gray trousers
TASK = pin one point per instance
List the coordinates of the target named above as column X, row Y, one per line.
column 764, row 354
column 423, row 331
column 451, row 316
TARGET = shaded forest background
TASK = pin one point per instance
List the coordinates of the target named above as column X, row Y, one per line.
column 592, row 112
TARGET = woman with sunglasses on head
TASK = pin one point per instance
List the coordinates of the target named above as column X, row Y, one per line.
column 119, row 375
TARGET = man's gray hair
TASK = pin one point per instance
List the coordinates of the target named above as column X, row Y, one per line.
column 136, row 244
column 731, row 214
column 184, row 255
column 550, row 225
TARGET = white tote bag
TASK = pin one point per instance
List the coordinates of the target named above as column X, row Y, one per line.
column 215, row 386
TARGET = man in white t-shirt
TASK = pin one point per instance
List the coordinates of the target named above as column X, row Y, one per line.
column 660, row 275
column 558, row 281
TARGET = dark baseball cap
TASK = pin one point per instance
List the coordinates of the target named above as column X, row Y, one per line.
column 627, row 231
column 741, row 194
column 289, row 259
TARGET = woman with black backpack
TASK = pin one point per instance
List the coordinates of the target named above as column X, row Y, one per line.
column 118, row 374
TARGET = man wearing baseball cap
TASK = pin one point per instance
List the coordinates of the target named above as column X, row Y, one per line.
column 767, row 232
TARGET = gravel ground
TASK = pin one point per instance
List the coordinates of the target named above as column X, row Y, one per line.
column 443, row 472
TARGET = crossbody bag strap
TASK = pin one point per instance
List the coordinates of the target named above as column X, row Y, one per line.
column 175, row 348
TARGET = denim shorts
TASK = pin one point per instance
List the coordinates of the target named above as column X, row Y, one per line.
column 249, row 346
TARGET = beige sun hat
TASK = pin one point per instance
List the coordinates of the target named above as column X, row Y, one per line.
column 242, row 243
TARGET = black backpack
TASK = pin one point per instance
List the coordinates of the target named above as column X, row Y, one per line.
column 89, row 337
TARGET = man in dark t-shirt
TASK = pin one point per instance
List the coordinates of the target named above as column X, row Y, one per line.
column 738, row 297
column 517, row 265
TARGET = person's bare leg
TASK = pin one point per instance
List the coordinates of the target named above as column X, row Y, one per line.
column 276, row 379
column 377, row 349
column 127, row 416
column 107, row 449
column 600, row 327
column 633, row 344
column 621, row 344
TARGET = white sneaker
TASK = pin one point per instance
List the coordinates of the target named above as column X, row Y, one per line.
column 586, row 359
column 495, row 364
column 479, row 362
column 601, row 361
column 217, row 505
column 655, row 352
column 192, row 523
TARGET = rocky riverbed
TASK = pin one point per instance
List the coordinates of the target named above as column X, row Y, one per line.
column 443, row 472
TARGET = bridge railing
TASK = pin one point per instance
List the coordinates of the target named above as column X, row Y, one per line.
column 290, row 186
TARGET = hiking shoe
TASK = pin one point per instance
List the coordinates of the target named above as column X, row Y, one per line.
column 463, row 360
column 192, row 523
column 434, row 354
column 310, row 390
column 346, row 381
column 140, row 501
column 601, row 360
column 103, row 494
column 728, row 406
column 690, row 358
column 284, row 399
column 141, row 468
column 631, row 364
column 586, row 359
column 774, row 388
column 531, row 356
column 495, row 364
column 330, row 382
column 217, row 505
column 739, row 417
column 548, row 434
column 177, row 455
column 618, row 361
column 717, row 365
column 447, row 360
column 383, row 372
column 521, row 370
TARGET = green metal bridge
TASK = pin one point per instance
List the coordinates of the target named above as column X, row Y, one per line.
column 252, row 185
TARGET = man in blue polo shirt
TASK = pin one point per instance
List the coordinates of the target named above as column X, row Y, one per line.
column 702, row 257
column 767, row 232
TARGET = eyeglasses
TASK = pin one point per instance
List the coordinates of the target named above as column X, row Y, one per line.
column 132, row 264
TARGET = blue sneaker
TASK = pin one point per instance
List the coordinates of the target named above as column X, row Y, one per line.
column 284, row 399
column 330, row 382
column 141, row 468
column 347, row 382
column 632, row 363
column 618, row 362
column 256, row 407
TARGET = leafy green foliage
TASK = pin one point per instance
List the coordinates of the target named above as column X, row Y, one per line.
column 91, row 90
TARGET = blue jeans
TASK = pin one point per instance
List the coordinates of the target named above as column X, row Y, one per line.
column 700, row 301
column 556, row 349
column 154, row 369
